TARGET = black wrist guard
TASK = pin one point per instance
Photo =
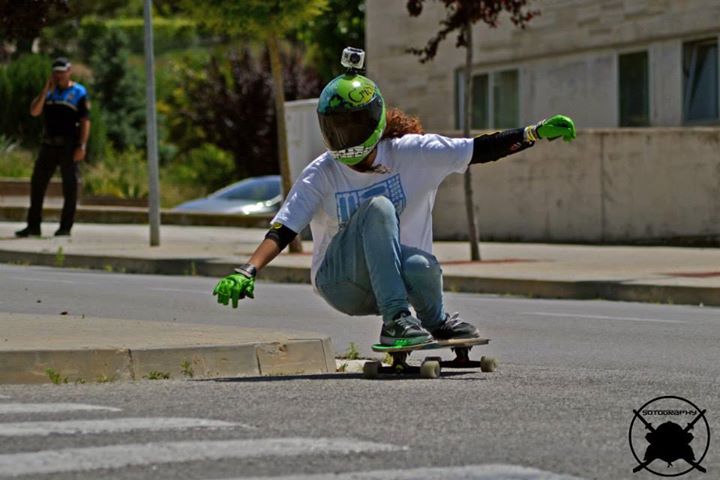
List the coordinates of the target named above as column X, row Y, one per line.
column 247, row 269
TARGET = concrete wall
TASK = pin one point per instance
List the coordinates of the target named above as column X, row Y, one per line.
column 566, row 58
column 612, row 185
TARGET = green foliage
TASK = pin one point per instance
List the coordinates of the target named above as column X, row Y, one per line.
column 207, row 166
column 118, row 89
column 325, row 36
column 59, row 257
column 120, row 175
column 227, row 101
column 14, row 161
column 20, row 82
column 254, row 18
column 186, row 369
column 55, row 377
column 168, row 34
column 157, row 375
column 351, row 353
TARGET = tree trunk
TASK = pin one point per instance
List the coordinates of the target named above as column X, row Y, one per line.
column 276, row 69
column 469, row 203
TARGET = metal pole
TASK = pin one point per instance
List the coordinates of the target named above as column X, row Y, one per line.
column 152, row 152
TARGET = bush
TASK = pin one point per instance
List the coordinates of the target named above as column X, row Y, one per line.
column 20, row 82
column 15, row 161
column 228, row 101
column 120, row 175
column 207, row 167
column 119, row 91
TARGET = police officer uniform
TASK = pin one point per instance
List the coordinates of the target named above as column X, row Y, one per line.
column 62, row 113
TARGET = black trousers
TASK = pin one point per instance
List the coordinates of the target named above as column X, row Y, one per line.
column 49, row 158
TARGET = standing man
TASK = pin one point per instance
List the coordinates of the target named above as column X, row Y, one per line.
column 65, row 108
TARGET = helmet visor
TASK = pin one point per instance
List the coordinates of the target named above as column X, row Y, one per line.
column 348, row 129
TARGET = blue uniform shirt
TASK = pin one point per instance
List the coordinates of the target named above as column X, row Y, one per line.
column 63, row 111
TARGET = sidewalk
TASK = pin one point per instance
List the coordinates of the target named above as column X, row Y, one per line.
column 67, row 349
column 647, row 274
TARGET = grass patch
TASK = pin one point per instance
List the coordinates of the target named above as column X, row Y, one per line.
column 55, row 376
column 157, row 375
column 59, row 257
column 351, row 353
column 186, row 369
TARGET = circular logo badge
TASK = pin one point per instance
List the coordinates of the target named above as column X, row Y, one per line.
column 669, row 436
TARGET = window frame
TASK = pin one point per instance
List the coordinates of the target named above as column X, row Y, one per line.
column 685, row 85
column 649, row 92
column 459, row 79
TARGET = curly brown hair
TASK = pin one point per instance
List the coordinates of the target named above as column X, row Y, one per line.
column 400, row 123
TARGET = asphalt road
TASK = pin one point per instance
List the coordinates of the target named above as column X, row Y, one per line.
column 561, row 403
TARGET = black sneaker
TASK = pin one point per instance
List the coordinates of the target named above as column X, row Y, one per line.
column 28, row 232
column 62, row 232
column 454, row 328
column 404, row 331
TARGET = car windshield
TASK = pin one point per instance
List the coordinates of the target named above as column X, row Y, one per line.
column 258, row 189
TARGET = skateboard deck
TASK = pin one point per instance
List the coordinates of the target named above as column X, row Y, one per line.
column 431, row 367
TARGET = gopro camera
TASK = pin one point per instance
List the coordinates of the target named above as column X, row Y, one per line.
column 353, row 58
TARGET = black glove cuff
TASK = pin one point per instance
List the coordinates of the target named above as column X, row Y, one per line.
column 247, row 269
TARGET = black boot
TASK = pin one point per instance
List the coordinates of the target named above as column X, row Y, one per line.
column 28, row 232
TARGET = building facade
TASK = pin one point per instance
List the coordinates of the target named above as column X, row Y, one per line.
column 606, row 63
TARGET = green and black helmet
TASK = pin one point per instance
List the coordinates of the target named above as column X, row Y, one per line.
column 351, row 111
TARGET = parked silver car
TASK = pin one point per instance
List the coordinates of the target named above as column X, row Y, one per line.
column 252, row 196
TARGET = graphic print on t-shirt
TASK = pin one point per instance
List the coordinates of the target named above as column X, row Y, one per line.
column 348, row 202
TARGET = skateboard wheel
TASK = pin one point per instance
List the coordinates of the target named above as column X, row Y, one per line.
column 488, row 364
column 371, row 369
column 430, row 369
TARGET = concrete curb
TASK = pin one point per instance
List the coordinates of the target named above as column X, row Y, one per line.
column 137, row 215
column 604, row 290
column 295, row 356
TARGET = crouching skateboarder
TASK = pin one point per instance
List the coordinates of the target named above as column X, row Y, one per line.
column 369, row 201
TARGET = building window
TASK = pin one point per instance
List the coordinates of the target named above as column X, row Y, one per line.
column 633, row 85
column 700, row 81
column 505, row 99
column 495, row 100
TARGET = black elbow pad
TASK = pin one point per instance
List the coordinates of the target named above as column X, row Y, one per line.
column 281, row 235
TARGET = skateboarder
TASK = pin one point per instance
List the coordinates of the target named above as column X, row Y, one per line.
column 369, row 201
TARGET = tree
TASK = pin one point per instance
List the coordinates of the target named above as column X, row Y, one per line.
column 460, row 16
column 269, row 21
column 324, row 37
column 22, row 21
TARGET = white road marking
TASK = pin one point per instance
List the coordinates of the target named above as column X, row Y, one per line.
column 469, row 472
column 13, row 408
column 115, row 425
column 119, row 456
column 600, row 317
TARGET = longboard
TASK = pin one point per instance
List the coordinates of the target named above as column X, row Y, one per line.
column 431, row 367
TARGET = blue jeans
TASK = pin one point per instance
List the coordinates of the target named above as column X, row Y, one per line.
column 366, row 271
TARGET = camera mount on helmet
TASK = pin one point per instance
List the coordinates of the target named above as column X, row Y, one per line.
column 353, row 59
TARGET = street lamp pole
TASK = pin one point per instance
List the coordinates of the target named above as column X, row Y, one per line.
column 152, row 151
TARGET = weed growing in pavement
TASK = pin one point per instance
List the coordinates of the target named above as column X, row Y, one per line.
column 351, row 353
column 80, row 381
column 59, row 257
column 55, row 377
column 342, row 368
column 105, row 379
column 186, row 369
column 156, row 375
column 108, row 268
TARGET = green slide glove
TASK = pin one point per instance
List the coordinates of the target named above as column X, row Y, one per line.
column 236, row 286
column 555, row 127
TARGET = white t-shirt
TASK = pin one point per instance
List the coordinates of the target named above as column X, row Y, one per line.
column 328, row 192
